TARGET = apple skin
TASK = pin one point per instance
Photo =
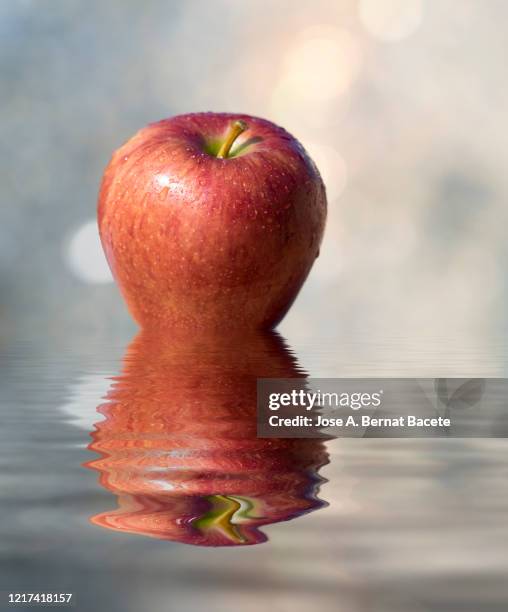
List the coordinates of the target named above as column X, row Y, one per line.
column 179, row 433
column 196, row 242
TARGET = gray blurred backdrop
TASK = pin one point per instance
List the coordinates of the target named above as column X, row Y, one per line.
column 402, row 104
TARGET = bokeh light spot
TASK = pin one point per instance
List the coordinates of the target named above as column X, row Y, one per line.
column 85, row 257
column 321, row 65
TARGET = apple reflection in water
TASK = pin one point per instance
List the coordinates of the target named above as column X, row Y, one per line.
column 178, row 443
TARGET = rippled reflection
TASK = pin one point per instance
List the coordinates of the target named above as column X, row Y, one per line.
column 178, row 443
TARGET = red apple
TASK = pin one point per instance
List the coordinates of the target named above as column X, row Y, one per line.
column 211, row 221
column 178, row 443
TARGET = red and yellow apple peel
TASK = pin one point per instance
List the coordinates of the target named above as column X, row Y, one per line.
column 211, row 222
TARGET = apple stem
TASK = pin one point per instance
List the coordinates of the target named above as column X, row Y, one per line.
column 235, row 129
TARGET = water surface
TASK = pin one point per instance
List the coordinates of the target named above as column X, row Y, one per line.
column 109, row 491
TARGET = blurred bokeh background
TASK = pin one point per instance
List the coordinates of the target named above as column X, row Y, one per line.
column 402, row 104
